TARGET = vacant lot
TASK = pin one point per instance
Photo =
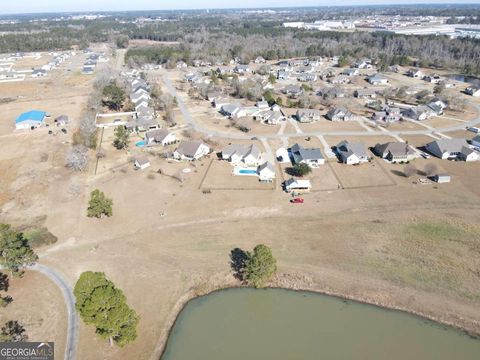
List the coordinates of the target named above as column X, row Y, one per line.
column 48, row 322
column 365, row 175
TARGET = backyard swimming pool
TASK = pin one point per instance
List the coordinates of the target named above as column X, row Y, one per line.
column 140, row 143
column 247, row 172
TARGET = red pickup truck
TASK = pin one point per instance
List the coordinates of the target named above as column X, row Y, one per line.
column 297, row 201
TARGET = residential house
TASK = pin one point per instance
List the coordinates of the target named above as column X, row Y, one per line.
column 191, row 150
column 242, row 69
column 160, row 136
column 312, row 157
column 142, row 163
column 233, row 111
column 282, row 75
column 387, row 115
column 270, row 117
column 437, row 107
column 266, row 172
column 340, row 79
column 473, row 91
column 307, row 77
column 39, row 73
column 244, row 155
column 365, row 93
column 260, row 60
column 377, row 79
column 224, row 70
column 415, row 73
column 419, row 113
column 452, row 149
column 220, row 101
column 433, row 78
column 297, row 185
column 363, row 64
column 352, row 153
column 308, row 69
column 329, row 93
column 395, row 152
column 340, row 114
column 30, row 119
column 350, row 72
column 308, row 115
column 262, row 104
column 293, row 90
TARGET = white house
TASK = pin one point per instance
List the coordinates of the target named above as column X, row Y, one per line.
column 312, row 157
column 142, row 163
column 352, row 153
column 160, row 136
column 294, row 185
column 415, row 73
column 238, row 154
column 39, row 73
column 452, row 149
column 233, row 111
column 308, row 115
column 377, row 79
column 473, row 91
column 266, row 172
column 191, row 150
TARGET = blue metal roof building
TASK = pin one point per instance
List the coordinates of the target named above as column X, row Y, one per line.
column 28, row 119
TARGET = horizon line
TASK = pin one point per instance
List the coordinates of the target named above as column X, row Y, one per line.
column 237, row 8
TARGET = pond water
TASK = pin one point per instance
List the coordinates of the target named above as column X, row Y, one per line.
column 467, row 79
column 275, row 324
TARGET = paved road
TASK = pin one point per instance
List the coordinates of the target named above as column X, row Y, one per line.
column 69, row 298
column 198, row 127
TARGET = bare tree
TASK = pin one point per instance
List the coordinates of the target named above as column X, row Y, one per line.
column 409, row 170
column 430, row 169
column 77, row 158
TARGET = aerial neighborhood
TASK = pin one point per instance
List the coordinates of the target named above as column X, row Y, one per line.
column 150, row 158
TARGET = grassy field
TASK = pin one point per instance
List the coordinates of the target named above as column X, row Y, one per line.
column 434, row 256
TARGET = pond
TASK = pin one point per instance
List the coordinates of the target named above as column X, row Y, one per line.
column 275, row 324
column 467, row 79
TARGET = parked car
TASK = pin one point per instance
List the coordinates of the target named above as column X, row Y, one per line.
column 473, row 129
column 64, row 130
column 297, row 201
column 425, row 155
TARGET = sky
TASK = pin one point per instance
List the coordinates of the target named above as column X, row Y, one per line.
column 31, row 6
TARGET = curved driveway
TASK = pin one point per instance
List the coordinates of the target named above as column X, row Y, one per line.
column 69, row 298
column 198, row 127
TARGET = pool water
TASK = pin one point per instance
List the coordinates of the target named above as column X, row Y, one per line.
column 247, row 172
column 140, row 143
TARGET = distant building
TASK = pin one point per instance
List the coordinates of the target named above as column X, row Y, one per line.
column 30, row 119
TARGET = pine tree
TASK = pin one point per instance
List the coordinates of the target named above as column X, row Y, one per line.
column 15, row 252
column 121, row 138
column 101, row 304
column 99, row 205
column 260, row 266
